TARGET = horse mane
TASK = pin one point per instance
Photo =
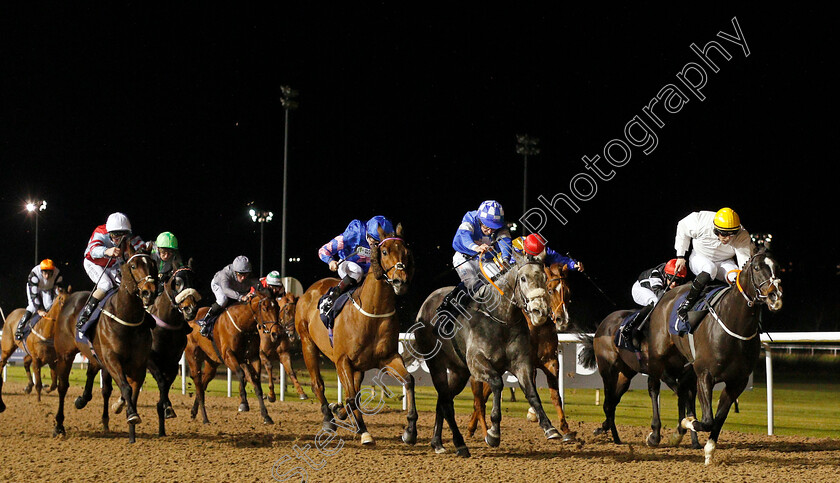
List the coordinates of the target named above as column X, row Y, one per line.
column 376, row 263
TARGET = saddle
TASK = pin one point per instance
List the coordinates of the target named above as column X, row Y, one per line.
column 27, row 329
column 82, row 334
column 328, row 318
column 710, row 296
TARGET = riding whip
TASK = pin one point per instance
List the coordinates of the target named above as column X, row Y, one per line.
column 586, row 275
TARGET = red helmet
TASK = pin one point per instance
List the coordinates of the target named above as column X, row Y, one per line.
column 534, row 244
column 671, row 266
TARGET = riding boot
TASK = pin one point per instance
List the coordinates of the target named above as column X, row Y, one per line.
column 694, row 292
column 88, row 309
column 21, row 324
column 631, row 327
column 451, row 299
column 346, row 283
column 205, row 324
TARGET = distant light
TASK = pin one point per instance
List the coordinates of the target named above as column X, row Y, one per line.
column 36, row 205
column 294, row 259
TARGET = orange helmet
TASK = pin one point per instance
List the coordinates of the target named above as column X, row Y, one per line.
column 534, row 244
column 670, row 269
column 47, row 264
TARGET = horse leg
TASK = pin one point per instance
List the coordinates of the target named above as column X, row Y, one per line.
column 135, row 383
column 2, row 365
column 551, row 373
column 252, row 375
column 63, row 373
column 397, row 367
column 286, row 361
column 36, row 370
column 27, row 365
column 87, row 393
column 705, row 386
column 616, row 384
column 456, row 381
column 310, row 358
column 160, row 379
column 272, row 397
column 209, row 373
column 690, row 409
column 655, row 422
column 524, row 372
column 728, row 396
column 347, row 376
column 481, row 392
column 107, row 388
column 194, row 361
column 53, row 378
column 494, row 433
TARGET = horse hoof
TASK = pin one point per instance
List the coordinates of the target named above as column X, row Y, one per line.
column 650, row 441
column 599, row 431
column 118, row 405
column 303, row 397
column 80, row 402
column 532, row 415
column 244, row 408
column 2, row 407
column 272, row 398
column 492, row 441
column 439, row 449
column 409, row 438
column 675, row 440
column 267, row 420
column 463, row 452
column 328, row 426
column 169, row 413
column 688, row 423
column 59, row 431
column 367, row 439
column 552, row 433
column 133, row 418
column 28, row 388
column 570, row 437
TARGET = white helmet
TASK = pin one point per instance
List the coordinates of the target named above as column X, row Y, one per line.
column 274, row 279
column 118, row 222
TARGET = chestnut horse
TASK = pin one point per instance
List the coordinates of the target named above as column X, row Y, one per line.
column 233, row 335
column 724, row 348
column 543, row 355
column 178, row 303
column 276, row 342
column 121, row 340
column 39, row 346
column 366, row 334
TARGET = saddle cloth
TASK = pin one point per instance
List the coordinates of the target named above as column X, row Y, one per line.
column 329, row 318
column 27, row 329
column 711, row 294
column 624, row 342
column 81, row 335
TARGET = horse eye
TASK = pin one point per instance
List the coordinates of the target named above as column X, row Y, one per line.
column 522, row 279
column 384, row 252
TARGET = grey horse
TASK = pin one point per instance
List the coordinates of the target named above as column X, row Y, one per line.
column 487, row 336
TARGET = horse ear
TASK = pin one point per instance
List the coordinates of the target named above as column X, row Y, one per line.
column 399, row 230
column 382, row 234
column 518, row 257
column 191, row 264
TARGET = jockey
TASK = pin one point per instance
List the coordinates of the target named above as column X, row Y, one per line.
column 41, row 290
column 166, row 254
column 534, row 244
column 650, row 287
column 273, row 282
column 478, row 232
column 349, row 254
column 718, row 241
column 231, row 283
column 103, row 259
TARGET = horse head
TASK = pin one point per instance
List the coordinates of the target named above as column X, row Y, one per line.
column 558, row 294
column 182, row 293
column 762, row 275
column 139, row 275
column 264, row 307
column 530, row 292
column 392, row 260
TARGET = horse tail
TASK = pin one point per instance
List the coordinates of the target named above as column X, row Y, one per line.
column 587, row 355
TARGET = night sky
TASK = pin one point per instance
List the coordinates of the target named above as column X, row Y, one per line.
column 173, row 117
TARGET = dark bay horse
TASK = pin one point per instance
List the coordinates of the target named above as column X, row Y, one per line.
column 490, row 336
column 121, row 340
column 39, row 347
column 366, row 334
column 725, row 345
column 233, row 336
column 276, row 343
column 177, row 304
column 618, row 367
column 543, row 354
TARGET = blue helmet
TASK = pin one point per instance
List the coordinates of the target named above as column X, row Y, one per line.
column 378, row 221
column 491, row 214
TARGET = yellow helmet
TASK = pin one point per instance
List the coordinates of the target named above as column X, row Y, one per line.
column 727, row 220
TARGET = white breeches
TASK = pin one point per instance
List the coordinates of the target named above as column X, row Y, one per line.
column 105, row 279
column 352, row 269
column 470, row 272
column 718, row 270
column 643, row 296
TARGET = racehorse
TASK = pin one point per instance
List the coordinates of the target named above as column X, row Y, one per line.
column 366, row 334
column 169, row 337
column 487, row 338
column 121, row 341
column 39, row 346
column 543, row 354
column 724, row 346
column 233, row 336
column 618, row 367
column 276, row 342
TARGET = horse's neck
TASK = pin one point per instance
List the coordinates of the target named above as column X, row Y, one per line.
column 737, row 305
column 244, row 316
column 165, row 308
column 125, row 302
column 376, row 294
column 503, row 306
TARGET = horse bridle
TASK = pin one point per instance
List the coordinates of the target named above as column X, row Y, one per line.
column 173, row 300
column 397, row 266
column 759, row 296
column 266, row 326
column 148, row 279
column 555, row 311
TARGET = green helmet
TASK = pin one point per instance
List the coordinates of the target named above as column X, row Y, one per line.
column 167, row 240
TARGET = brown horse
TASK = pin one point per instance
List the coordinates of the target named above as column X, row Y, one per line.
column 724, row 347
column 276, row 342
column 366, row 334
column 543, row 355
column 39, row 346
column 121, row 340
column 233, row 335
